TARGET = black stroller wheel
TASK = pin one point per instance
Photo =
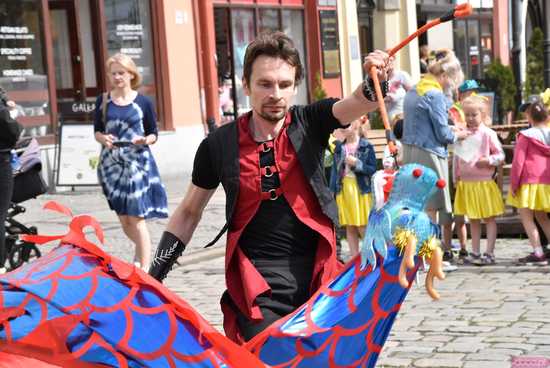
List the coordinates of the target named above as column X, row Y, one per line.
column 23, row 252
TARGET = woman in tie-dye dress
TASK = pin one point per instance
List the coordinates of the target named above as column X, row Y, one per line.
column 127, row 170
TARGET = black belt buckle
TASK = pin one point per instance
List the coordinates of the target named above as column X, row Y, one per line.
column 273, row 194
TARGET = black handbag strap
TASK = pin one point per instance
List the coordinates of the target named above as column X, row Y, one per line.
column 104, row 108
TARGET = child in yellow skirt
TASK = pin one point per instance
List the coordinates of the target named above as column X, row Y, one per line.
column 477, row 196
column 530, row 177
column 354, row 164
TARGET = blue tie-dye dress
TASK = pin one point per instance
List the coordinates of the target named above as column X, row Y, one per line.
column 129, row 175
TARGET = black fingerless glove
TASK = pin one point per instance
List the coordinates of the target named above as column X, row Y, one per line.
column 169, row 249
column 369, row 91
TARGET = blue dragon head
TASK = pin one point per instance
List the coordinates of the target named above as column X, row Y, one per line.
column 402, row 222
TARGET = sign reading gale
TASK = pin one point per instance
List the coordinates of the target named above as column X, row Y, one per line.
column 78, row 155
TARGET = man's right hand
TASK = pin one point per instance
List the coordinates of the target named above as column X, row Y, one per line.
column 382, row 61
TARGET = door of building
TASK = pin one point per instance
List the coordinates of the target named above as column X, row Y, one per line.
column 74, row 55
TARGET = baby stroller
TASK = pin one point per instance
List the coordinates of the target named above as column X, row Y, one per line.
column 28, row 183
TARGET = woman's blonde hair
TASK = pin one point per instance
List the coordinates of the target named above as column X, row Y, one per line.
column 127, row 63
column 446, row 63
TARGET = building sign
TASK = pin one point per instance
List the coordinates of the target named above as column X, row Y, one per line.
column 328, row 21
column 76, row 108
column 16, row 50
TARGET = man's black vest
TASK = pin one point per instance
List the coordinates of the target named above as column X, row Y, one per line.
column 224, row 153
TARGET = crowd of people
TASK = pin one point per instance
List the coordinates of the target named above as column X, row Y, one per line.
column 280, row 211
column 442, row 111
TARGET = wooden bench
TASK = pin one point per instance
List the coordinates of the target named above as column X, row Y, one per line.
column 508, row 132
column 377, row 137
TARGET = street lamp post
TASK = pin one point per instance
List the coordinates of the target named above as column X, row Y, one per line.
column 516, row 48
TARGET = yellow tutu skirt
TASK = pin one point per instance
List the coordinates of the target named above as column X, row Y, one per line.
column 353, row 206
column 478, row 199
column 533, row 196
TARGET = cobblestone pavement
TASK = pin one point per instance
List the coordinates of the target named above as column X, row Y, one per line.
column 485, row 316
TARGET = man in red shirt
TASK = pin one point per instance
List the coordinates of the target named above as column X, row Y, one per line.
column 280, row 214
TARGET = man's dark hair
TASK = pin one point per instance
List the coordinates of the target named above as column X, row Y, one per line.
column 538, row 112
column 274, row 44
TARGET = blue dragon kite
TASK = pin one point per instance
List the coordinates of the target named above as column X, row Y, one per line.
column 80, row 307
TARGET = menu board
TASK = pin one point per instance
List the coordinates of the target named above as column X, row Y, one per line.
column 328, row 21
column 78, row 155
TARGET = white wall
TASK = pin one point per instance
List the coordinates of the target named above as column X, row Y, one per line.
column 441, row 36
column 393, row 26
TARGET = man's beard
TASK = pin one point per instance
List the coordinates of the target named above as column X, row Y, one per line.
column 272, row 117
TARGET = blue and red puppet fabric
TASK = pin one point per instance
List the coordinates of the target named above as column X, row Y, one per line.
column 80, row 307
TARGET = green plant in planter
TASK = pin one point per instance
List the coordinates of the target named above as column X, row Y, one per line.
column 534, row 82
column 376, row 120
column 500, row 79
column 319, row 92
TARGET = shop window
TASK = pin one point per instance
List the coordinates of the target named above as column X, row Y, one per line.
column 88, row 47
column 269, row 20
column 486, row 42
column 235, row 29
column 243, row 31
column 22, row 64
column 224, row 64
column 473, row 44
column 326, row 2
column 293, row 26
column 460, row 44
column 62, row 56
column 129, row 32
column 473, row 48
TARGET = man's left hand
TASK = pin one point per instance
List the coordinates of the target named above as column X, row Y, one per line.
column 382, row 61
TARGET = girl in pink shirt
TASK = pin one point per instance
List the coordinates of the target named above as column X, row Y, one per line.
column 530, row 178
column 477, row 195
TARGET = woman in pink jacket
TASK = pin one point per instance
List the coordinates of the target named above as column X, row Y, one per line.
column 477, row 195
column 530, row 177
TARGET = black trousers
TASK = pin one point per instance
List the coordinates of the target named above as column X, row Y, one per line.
column 6, row 188
column 289, row 280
